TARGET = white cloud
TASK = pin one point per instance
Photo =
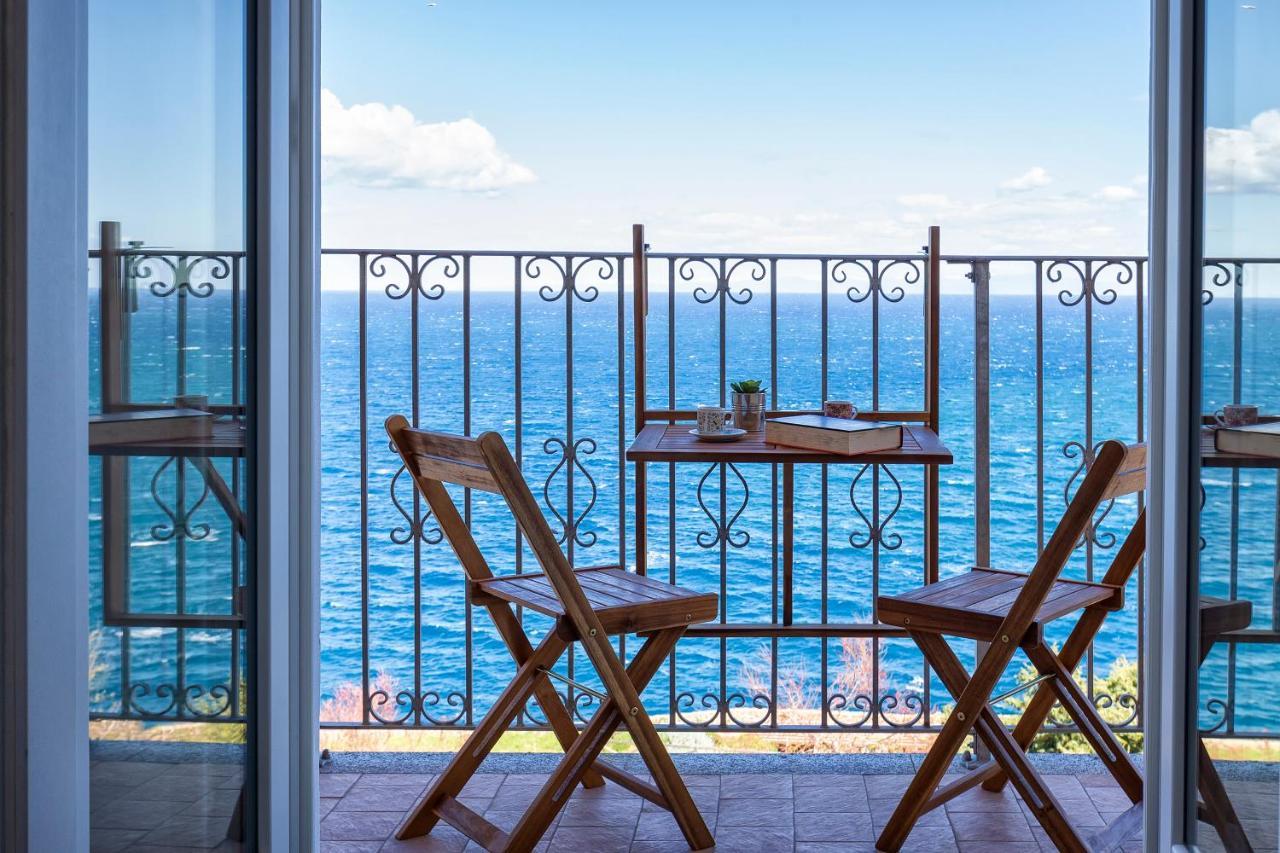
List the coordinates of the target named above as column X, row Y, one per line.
column 1245, row 159
column 381, row 146
column 931, row 201
column 1118, row 192
column 1033, row 178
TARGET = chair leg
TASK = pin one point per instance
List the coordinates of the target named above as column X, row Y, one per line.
column 584, row 750
column 468, row 759
column 915, row 800
column 1004, row 749
column 659, row 762
column 1218, row 808
column 1091, row 725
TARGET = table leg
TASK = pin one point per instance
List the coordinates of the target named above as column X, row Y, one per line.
column 788, row 538
column 222, row 493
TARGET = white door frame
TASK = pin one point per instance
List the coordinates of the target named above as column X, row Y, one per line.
column 1175, row 232
column 44, row 393
column 287, row 422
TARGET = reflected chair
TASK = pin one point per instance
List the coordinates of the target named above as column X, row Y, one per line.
column 588, row 605
column 1217, row 618
column 1008, row 611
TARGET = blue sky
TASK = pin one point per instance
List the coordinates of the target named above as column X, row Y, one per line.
column 751, row 125
column 815, row 126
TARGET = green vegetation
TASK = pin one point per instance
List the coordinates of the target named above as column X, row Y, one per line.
column 748, row 386
column 1120, row 689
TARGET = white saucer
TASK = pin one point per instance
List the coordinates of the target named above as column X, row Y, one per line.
column 728, row 434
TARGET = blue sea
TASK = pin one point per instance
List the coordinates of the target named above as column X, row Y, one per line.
column 467, row 381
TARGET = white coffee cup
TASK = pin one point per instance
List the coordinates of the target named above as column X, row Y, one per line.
column 713, row 419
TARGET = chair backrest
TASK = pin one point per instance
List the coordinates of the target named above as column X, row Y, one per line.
column 485, row 462
column 1116, row 471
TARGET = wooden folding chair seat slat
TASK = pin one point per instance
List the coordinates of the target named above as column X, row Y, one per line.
column 624, row 602
column 589, row 605
column 976, row 604
column 1008, row 610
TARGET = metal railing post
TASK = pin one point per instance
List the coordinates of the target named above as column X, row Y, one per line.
column 980, row 274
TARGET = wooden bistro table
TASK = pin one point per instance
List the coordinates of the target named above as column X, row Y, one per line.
column 672, row 443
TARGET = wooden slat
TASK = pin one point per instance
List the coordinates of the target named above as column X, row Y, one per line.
column 470, row 824
column 796, row 629
column 951, row 790
column 632, row 783
column 1218, row 616
column 1113, row 836
column 452, row 471
column 1131, row 476
column 459, row 448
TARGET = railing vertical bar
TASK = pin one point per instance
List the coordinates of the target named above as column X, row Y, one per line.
column 722, row 292
column 1089, row 285
column 180, row 547
column 671, row 468
column 570, row 532
column 1140, row 350
column 622, row 438
column 416, row 527
column 1275, row 562
column 237, row 602
column 469, row 626
column 980, row 275
column 874, row 533
column 517, row 333
column 1039, row 407
column 1237, row 371
column 773, row 503
column 823, row 547
column 363, row 336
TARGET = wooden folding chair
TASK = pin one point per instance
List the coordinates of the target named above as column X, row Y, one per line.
column 588, row 605
column 1009, row 610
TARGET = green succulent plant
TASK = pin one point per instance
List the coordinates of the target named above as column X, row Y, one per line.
column 748, row 386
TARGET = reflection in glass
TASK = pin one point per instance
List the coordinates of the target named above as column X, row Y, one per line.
column 1240, row 514
column 169, row 574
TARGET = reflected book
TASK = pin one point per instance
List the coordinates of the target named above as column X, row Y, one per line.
column 832, row 435
column 1254, row 439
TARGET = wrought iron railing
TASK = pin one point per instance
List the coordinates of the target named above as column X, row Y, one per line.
column 1042, row 357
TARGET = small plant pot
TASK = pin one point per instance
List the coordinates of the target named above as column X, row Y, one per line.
column 748, row 411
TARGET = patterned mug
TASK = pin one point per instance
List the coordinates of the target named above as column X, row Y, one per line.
column 839, row 409
column 713, row 419
column 1236, row 414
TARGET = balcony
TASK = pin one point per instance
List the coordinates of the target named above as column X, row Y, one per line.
column 1042, row 358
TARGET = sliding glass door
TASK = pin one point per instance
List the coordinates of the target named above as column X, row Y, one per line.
column 171, row 295
column 1236, row 649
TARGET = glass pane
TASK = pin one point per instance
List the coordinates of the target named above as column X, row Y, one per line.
column 169, row 570
column 1238, row 716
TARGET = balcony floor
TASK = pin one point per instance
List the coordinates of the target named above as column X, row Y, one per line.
column 186, row 805
column 747, row 812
